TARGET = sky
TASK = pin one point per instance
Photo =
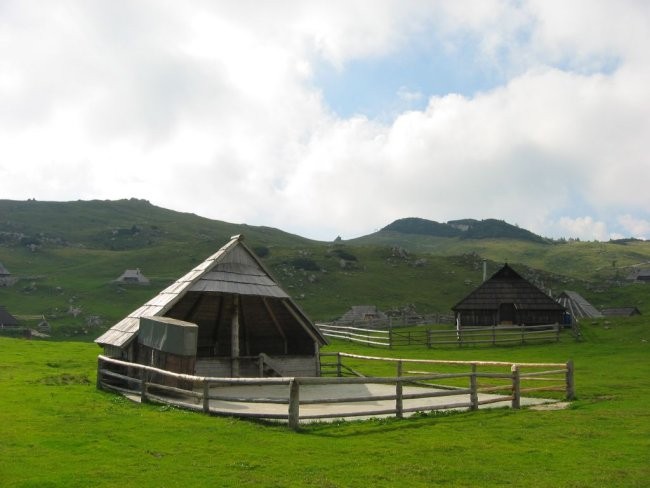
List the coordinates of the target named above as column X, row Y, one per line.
column 329, row 119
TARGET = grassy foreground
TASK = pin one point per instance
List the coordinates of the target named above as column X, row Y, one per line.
column 56, row 429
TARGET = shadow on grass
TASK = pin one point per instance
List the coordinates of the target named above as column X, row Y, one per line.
column 350, row 428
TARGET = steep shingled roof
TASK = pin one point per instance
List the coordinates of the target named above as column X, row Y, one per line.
column 6, row 319
column 577, row 306
column 233, row 269
column 507, row 286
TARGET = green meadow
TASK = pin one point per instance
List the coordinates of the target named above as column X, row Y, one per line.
column 58, row 430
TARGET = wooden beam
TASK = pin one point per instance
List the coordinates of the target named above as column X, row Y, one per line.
column 277, row 324
column 234, row 338
column 300, row 320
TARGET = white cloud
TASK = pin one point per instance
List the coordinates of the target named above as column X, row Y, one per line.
column 213, row 108
column 635, row 227
column 585, row 228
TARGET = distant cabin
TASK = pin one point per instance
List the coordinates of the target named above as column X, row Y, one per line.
column 621, row 312
column 133, row 276
column 577, row 306
column 6, row 278
column 228, row 317
column 640, row 275
column 362, row 313
column 507, row 299
column 6, row 319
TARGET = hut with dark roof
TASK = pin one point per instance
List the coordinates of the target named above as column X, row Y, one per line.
column 230, row 315
column 6, row 279
column 621, row 312
column 507, row 299
column 6, row 319
column 640, row 275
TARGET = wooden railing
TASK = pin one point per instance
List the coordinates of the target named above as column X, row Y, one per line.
column 488, row 335
column 196, row 392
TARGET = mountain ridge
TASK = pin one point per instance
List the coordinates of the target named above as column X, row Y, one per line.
column 463, row 229
column 65, row 256
column 128, row 223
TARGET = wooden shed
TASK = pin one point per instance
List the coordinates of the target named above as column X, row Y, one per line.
column 132, row 277
column 621, row 312
column 247, row 324
column 6, row 279
column 507, row 298
column 6, row 319
column 362, row 313
column 577, row 306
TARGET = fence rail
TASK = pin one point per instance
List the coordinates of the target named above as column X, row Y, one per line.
column 196, row 392
column 488, row 335
column 405, row 320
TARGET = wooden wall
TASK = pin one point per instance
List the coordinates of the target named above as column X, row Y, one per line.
column 291, row 366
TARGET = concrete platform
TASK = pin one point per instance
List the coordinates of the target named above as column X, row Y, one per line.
column 267, row 398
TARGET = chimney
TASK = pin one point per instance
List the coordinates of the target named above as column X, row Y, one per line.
column 484, row 270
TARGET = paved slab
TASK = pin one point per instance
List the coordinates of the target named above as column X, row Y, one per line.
column 326, row 395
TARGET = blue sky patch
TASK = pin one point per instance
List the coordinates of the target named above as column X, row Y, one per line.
column 381, row 88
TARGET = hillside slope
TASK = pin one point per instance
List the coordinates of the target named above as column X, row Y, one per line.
column 463, row 229
column 66, row 255
column 118, row 225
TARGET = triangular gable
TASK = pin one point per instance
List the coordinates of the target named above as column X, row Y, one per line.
column 577, row 305
column 507, row 286
column 6, row 319
column 233, row 269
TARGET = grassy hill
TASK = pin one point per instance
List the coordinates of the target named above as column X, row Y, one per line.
column 58, row 430
column 464, row 229
column 65, row 256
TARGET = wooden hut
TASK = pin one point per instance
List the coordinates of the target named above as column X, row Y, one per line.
column 621, row 312
column 507, row 299
column 577, row 306
column 133, row 276
column 359, row 314
column 640, row 275
column 6, row 279
column 247, row 324
column 6, row 319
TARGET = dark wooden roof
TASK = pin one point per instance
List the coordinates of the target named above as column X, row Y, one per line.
column 507, row 286
column 6, row 318
column 621, row 311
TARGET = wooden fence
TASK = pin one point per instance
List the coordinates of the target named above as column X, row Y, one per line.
column 397, row 321
column 488, row 335
column 196, row 392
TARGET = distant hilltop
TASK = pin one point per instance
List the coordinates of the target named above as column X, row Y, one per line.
column 463, row 229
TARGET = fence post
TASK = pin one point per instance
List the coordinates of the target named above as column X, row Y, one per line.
column 494, row 334
column 206, row 396
column 294, row 404
column 523, row 341
column 399, row 404
column 570, row 386
column 261, row 364
column 473, row 395
column 98, row 384
column 557, row 332
column 428, row 338
column 516, row 387
column 338, row 364
column 390, row 338
column 143, row 385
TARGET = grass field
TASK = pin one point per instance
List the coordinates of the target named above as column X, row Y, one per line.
column 57, row 430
